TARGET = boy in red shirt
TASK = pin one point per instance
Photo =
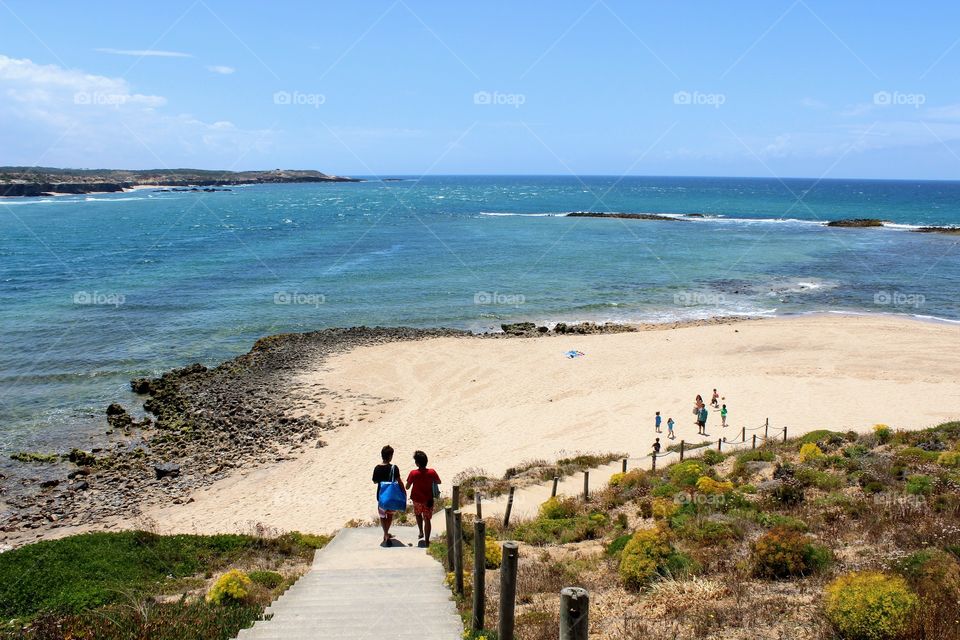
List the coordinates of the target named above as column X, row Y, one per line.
column 421, row 483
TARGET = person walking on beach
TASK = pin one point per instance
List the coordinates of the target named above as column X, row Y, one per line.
column 723, row 416
column 383, row 474
column 670, row 424
column 656, row 447
column 702, row 421
column 421, row 483
column 715, row 400
column 657, row 422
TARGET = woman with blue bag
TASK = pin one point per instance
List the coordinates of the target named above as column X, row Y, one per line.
column 390, row 494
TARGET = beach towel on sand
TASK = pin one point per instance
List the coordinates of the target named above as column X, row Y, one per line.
column 574, row 354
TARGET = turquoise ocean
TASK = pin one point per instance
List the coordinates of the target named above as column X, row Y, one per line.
column 97, row 289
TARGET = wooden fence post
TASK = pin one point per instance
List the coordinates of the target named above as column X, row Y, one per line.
column 479, row 574
column 784, row 434
column 458, row 551
column 456, row 497
column 766, row 429
column 508, row 590
column 681, row 451
column 743, row 434
column 553, row 492
column 653, row 462
column 586, row 486
column 506, row 515
column 574, row 613
column 624, row 465
column 720, row 444
column 754, row 441
column 448, row 515
column 477, row 500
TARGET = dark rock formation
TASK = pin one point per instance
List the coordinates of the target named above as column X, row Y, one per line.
column 629, row 216
column 856, row 222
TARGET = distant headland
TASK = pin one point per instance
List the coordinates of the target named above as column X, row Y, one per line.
column 39, row 181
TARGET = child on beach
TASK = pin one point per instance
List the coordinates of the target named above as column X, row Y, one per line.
column 656, row 447
column 670, row 423
column 723, row 416
column 420, row 483
column 715, row 401
column 702, row 421
column 385, row 472
column 657, row 422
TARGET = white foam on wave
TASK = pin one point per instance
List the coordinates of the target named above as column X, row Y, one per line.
column 503, row 214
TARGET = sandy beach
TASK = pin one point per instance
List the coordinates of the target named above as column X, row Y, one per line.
column 493, row 403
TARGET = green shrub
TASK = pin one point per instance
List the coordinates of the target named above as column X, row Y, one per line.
column 916, row 455
column 665, row 490
column 919, row 485
column 788, row 494
column 855, row 451
column 709, row 486
column 822, row 435
column 268, row 579
column 559, row 507
column 629, row 480
column 231, row 587
column 819, row 479
column 870, row 605
column 712, row 457
column 782, row 553
column 883, row 433
column 707, row 532
column 615, row 547
column 643, row 556
column 686, row 473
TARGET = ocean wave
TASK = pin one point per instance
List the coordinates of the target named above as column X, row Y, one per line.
column 499, row 214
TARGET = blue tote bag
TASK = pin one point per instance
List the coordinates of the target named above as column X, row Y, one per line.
column 392, row 497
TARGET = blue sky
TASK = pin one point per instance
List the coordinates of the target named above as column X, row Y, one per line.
column 764, row 88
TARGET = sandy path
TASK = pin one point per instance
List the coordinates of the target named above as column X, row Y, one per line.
column 493, row 403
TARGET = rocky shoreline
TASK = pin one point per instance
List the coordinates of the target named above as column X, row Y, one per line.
column 206, row 424
column 38, row 181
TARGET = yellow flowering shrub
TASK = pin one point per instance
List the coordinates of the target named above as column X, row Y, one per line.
column 949, row 459
column 643, row 555
column 709, row 486
column 663, row 508
column 493, row 555
column 870, row 605
column 233, row 586
column 558, row 508
column 810, row 451
column 883, row 432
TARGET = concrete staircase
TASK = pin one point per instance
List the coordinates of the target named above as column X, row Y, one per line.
column 357, row 590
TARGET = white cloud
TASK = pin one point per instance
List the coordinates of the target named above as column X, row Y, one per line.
column 68, row 117
column 813, row 103
column 144, row 53
column 220, row 68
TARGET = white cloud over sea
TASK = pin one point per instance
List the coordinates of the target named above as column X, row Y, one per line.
column 58, row 116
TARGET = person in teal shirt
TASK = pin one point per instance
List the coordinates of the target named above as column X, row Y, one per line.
column 670, row 433
column 702, row 421
column 723, row 416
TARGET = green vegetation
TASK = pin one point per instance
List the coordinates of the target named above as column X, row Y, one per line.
column 82, row 582
column 29, row 456
column 783, row 552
